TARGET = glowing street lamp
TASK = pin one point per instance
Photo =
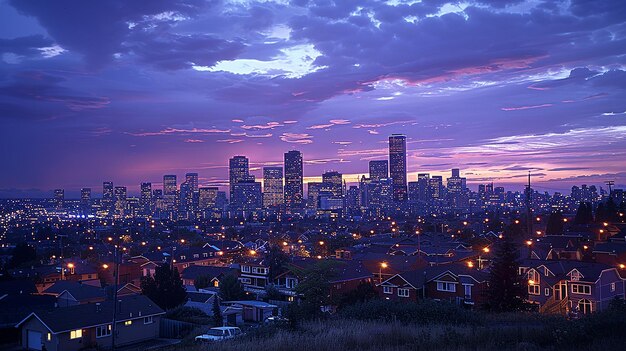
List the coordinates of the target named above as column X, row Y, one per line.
column 252, row 252
column 380, row 271
column 105, row 266
column 470, row 264
column 529, row 242
column 486, row 250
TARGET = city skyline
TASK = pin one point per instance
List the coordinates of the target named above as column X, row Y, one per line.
column 496, row 89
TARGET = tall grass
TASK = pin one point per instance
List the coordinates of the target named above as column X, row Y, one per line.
column 603, row 331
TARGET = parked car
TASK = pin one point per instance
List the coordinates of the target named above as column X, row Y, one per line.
column 277, row 320
column 219, row 333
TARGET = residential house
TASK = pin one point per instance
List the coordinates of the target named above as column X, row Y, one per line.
column 214, row 273
column 90, row 325
column 564, row 286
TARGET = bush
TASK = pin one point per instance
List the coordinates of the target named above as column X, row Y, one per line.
column 189, row 315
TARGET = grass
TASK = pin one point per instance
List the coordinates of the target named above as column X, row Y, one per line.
column 603, row 331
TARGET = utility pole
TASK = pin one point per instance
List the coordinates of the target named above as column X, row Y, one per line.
column 529, row 210
column 610, row 184
column 116, row 274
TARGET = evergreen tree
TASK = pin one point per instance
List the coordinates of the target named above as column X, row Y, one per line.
column 165, row 288
column 507, row 289
column 231, row 288
column 277, row 259
column 22, row 255
column 218, row 320
column 314, row 286
column 584, row 214
column 201, row 282
column 555, row 224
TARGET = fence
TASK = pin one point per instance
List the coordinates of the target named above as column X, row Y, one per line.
column 172, row 329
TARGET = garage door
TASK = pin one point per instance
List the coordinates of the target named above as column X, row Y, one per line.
column 34, row 340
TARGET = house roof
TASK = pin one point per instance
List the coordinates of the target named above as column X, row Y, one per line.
column 202, row 297
column 59, row 320
column 195, row 271
column 79, row 291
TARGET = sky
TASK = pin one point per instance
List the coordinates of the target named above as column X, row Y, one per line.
column 127, row 91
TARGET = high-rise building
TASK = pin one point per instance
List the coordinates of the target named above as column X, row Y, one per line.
column 272, row 186
column 352, row 200
column 397, row 166
column 247, row 194
column 313, row 194
column 293, row 180
column 192, row 180
column 208, row 198
column 169, row 185
column 120, row 200
column 423, row 188
column 59, row 198
column 456, row 183
column 108, row 201
column 238, row 170
column 333, row 182
column 435, row 185
column 145, row 199
column 381, row 196
column 379, row 170
column 85, row 199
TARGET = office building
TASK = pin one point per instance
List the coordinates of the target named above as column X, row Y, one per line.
column 238, row 170
column 293, row 180
column 59, row 198
column 397, row 166
column 272, row 186
column 379, row 170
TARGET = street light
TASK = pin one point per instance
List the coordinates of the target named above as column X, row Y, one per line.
column 380, row 271
column 105, row 266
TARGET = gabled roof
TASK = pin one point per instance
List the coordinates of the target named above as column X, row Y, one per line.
column 65, row 319
column 79, row 291
column 193, row 272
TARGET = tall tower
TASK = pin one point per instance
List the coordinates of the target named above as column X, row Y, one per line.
column 272, row 186
column 59, row 198
column 169, row 185
column 238, row 171
column 397, row 166
column 293, row 179
column 146, row 198
column 333, row 181
column 107, row 197
column 379, row 170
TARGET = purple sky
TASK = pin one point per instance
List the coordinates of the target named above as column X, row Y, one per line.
column 130, row 90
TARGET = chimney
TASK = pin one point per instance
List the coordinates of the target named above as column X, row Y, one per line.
column 98, row 307
column 119, row 305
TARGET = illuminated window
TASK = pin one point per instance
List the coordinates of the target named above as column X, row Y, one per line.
column 103, row 330
column 128, row 322
column 75, row 334
column 216, row 283
column 49, row 336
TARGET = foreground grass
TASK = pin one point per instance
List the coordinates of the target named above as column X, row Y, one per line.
column 606, row 331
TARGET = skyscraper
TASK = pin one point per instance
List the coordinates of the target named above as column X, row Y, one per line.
column 107, row 197
column 146, row 198
column 397, row 166
column 272, row 186
column 59, row 198
column 169, row 185
column 379, row 170
column 192, row 180
column 207, row 198
column 120, row 200
column 333, row 182
column 247, row 194
column 293, row 179
column 238, row 170
column 85, row 199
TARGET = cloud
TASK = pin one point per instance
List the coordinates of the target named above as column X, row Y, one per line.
column 230, row 141
column 331, row 123
column 268, row 125
column 296, row 138
column 520, row 108
column 170, row 130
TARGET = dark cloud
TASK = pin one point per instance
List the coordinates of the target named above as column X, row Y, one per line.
column 24, row 46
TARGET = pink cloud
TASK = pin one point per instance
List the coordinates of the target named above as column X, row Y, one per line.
column 268, row 125
column 194, row 141
column 519, row 108
column 168, row 130
column 230, row 141
column 296, row 138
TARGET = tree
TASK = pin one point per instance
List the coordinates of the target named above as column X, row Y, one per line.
column 272, row 293
column 314, row 287
column 363, row 293
column 507, row 289
column 165, row 288
column 22, row 255
column 584, row 214
column 231, row 288
column 277, row 259
column 555, row 224
column 202, row 281
column 218, row 320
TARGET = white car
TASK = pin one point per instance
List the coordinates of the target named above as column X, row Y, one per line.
column 219, row 333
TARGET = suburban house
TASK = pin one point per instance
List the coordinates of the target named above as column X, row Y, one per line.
column 452, row 282
column 196, row 256
column 253, row 311
column 214, row 273
column 254, row 276
column 90, row 325
column 69, row 293
column 571, row 286
column 204, row 299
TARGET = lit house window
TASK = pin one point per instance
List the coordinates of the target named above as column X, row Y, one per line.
column 75, row 334
column 445, row 286
column 403, row 292
column 128, row 323
column 49, row 336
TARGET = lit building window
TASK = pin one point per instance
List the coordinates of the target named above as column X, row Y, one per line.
column 75, row 334
column 128, row 322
